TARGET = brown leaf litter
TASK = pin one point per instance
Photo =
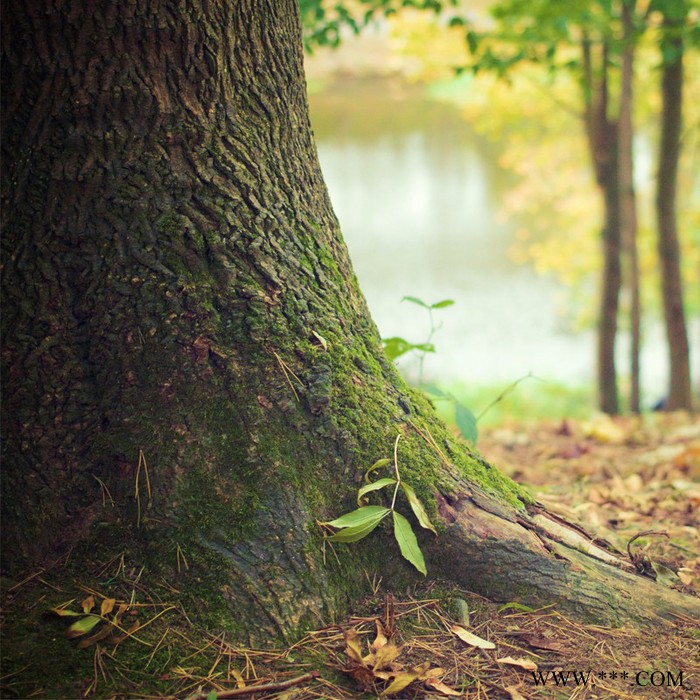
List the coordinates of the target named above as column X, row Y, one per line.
column 619, row 477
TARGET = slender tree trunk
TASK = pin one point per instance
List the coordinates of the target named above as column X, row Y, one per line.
column 628, row 205
column 189, row 366
column 679, row 396
column 602, row 136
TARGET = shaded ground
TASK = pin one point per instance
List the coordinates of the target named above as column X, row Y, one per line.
column 619, row 478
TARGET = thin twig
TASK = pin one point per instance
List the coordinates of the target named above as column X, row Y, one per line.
column 505, row 393
column 264, row 688
column 26, row 580
column 431, row 442
column 287, row 371
column 396, row 470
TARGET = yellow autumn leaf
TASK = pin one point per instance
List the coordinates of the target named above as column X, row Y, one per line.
column 380, row 640
column 107, row 606
column 240, row 681
column 471, row 639
column 402, row 679
column 384, row 656
column 88, row 604
column 352, row 645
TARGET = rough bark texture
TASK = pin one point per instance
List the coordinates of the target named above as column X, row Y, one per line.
column 189, row 366
column 679, row 396
column 602, row 133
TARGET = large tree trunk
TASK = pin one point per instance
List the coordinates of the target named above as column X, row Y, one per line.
column 679, row 396
column 184, row 337
column 602, row 135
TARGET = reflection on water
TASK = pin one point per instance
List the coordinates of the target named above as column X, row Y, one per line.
column 418, row 197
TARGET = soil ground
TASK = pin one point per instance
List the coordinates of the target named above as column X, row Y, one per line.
column 619, row 478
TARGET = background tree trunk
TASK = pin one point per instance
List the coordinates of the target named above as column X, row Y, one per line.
column 628, row 203
column 679, row 396
column 189, row 366
column 602, row 133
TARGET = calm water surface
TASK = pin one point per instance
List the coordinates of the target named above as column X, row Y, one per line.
column 418, row 197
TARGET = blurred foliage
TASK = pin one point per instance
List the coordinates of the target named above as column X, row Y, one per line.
column 324, row 23
column 512, row 67
column 531, row 400
column 534, row 115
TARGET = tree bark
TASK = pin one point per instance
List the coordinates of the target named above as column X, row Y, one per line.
column 189, row 366
column 679, row 396
column 628, row 203
column 602, row 134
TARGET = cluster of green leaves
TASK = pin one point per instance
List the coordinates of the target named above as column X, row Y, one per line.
column 544, row 31
column 359, row 523
column 396, row 346
column 324, row 22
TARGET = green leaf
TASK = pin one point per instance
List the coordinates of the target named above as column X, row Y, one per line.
column 466, row 422
column 516, row 606
column 213, row 695
column 374, row 486
column 442, row 304
column 424, row 347
column 417, row 508
column 64, row 612
column 83, row 626
column 361, row 516
column 377, row 465
column 408, row 544
column 395, row 347
column 416, row 300
column 357, row 532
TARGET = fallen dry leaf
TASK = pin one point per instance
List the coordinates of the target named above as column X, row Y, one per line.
column 512, row 690
column 439, row 687
column 527, row 664
column 539, row 642
column 471, row 639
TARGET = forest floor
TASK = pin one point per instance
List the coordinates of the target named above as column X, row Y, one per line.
column 619, row 478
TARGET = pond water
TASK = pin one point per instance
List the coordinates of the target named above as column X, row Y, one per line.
column 418, row 195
